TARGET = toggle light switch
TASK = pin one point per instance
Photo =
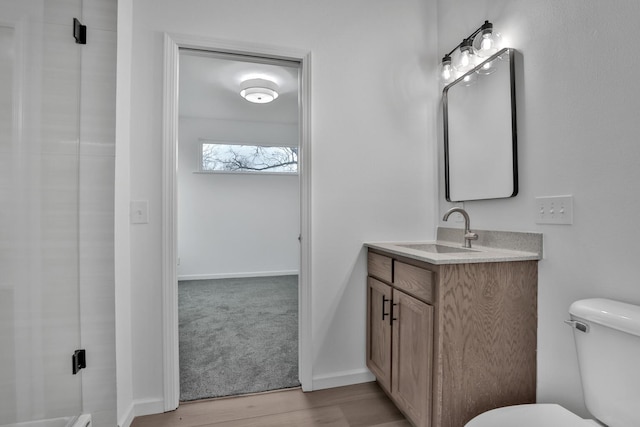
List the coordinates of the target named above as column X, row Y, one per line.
column 554, row 210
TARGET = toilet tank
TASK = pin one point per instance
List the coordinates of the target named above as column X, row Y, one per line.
column 609, row 359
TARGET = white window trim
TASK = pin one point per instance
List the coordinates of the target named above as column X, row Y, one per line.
column 200, row 170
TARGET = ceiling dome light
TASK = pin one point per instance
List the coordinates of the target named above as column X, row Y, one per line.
column 259, row 91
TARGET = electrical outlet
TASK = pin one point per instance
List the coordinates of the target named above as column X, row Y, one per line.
column 554, row 210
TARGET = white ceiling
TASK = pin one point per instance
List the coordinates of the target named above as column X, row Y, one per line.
column 210, row 87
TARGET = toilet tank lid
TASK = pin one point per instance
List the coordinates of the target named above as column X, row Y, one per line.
column 613, row 314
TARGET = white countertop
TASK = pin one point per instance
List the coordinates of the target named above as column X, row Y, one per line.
column 476, row 254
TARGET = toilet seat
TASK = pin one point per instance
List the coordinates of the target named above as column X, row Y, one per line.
column 534, row 415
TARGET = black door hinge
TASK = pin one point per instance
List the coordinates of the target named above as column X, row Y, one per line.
column 79, row 32
column 78, row 360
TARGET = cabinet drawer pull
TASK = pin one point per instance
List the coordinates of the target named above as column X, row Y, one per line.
column 384, row 301
column 392, row 318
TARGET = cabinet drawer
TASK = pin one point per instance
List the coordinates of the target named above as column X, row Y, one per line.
column 380, row 266
column 414, row 280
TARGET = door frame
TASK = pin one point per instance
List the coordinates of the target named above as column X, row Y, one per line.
column 172, row 43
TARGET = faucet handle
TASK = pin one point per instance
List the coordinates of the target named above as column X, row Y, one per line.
column 468, row 237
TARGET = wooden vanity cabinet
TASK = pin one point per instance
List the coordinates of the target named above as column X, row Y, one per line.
column 400, row 334
column 402, row 365
column 448, row 342
column 379, row 331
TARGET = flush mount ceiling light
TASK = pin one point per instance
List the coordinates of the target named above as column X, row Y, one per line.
column 259, row 91
column 470, row 53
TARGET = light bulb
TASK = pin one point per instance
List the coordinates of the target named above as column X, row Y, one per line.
column 465, row 59
column 487, row 42
column 447, row 75
column 490, row 66
column 487, row 67
column 447, row 72
column 469, row 79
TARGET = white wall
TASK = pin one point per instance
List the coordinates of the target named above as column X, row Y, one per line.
column 122, row 195
column 235, row 225
column 373, row 147
column 578, row 134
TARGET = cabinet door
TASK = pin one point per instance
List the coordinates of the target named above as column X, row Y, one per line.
column 379, row 331
column 412, row 357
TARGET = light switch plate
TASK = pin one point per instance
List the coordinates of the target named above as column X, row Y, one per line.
column 139, row 212
column 554, row 210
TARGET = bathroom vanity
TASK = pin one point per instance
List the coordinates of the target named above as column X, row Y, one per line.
column 451, row 333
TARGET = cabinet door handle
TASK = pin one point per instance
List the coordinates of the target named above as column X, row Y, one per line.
column 384, row 301
column 392, row 318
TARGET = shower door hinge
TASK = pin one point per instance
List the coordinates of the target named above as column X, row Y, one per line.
column 78, row 360
column 79, row 32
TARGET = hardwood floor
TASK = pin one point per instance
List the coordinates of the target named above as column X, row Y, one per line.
column 361, row 405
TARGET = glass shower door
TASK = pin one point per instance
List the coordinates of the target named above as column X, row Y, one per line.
column 39, row 267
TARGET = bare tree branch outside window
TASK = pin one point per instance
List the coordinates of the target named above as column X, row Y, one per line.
column 250, row 158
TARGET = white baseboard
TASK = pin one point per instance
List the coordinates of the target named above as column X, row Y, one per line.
column 237, row 275
column 148, row 406
column 127, row 417
column 339, row 379
column 140, row 408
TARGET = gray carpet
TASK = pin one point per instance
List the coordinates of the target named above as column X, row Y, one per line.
column 237, row 336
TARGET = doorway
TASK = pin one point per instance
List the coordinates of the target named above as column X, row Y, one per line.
column 172, row 45
column 238, row 223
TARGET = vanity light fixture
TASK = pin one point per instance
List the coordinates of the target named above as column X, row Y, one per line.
column 471, row 51
column 259, row 91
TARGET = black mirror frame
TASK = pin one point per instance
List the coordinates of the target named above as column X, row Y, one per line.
column 512, row 71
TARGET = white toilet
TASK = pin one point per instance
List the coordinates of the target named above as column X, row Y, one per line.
column 607, row 335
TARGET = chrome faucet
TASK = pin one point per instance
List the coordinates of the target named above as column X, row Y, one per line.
column 468, row 235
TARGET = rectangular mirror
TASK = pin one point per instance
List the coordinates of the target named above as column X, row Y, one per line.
column 480, row 148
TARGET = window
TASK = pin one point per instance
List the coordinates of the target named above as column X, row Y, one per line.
column 229, row 157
